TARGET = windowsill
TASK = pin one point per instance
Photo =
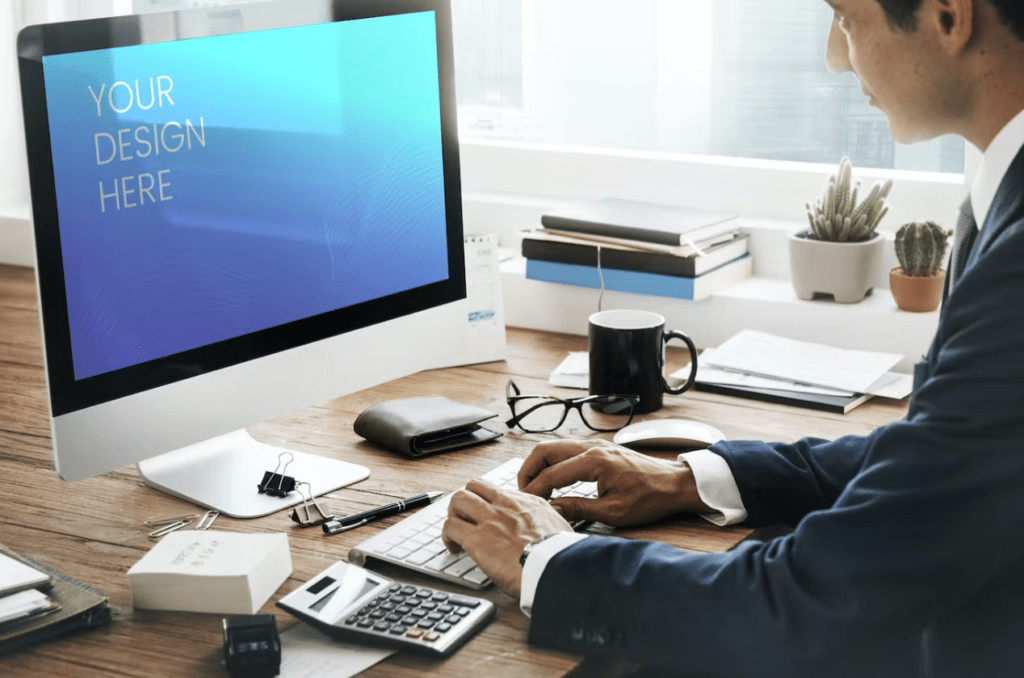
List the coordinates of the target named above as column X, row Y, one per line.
column 765, row 304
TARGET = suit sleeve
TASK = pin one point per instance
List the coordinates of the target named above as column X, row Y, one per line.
column 895, row 530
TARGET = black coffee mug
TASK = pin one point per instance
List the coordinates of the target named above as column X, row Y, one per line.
column 627, row 357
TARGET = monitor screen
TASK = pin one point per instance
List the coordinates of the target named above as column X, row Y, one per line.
column 220, row 205
column 211, row 188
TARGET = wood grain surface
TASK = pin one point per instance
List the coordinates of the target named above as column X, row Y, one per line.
column 93, row 530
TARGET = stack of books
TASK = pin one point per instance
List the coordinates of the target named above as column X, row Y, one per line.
column 639, row 248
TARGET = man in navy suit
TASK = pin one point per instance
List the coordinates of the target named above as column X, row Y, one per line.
column 907, row 555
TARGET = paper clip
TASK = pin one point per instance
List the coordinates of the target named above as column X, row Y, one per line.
column 277, row 484
column 168, row 525
column 207, row 520
column 303, row 514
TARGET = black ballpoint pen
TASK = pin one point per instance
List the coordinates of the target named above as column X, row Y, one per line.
column 358, row 519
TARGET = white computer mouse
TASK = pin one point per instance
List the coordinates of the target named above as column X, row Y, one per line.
column 668, row 434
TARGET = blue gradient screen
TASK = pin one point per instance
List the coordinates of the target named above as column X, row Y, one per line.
column 213, row 187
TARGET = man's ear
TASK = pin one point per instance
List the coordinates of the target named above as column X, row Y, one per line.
column 953, row 21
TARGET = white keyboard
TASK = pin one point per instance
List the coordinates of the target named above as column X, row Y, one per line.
column 415, row 542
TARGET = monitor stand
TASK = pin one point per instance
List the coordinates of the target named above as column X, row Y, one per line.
column 224, row 474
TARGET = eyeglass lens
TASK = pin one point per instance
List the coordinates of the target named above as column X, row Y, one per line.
column 607, row 413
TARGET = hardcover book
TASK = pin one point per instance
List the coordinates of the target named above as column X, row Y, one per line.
column 638, row 282
column 642, row 221
column 538, row 245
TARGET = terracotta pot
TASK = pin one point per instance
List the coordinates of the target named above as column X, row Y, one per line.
column 916, row 292
column 846, row 270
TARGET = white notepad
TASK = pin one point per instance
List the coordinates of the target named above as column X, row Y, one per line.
column 17, row 576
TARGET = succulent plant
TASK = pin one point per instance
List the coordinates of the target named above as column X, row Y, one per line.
column 837, row 217
column 921, row 247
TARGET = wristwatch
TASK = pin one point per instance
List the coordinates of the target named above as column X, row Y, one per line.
column 529, row 547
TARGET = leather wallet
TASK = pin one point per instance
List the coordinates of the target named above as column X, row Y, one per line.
column 422, row 426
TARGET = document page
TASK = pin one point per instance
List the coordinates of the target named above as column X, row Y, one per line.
column 805, row 362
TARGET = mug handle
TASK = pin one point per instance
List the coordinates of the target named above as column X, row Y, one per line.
column 673, row 334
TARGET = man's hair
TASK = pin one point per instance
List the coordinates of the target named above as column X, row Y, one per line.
column 903, row 14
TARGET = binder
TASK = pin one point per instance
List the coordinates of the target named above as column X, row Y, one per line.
column 79, row 606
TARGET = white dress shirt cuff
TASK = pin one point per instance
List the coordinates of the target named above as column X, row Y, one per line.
column 716, row 487
column 537, row 561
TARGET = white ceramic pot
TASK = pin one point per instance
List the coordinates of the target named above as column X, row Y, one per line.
column 846, row 270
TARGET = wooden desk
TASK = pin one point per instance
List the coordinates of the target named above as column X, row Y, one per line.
column 92, row 530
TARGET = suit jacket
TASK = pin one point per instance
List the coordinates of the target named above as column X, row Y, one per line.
column 908, row 551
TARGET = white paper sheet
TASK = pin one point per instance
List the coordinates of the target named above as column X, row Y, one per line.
column 307, row 653
column 764, row 354
column 573, row 372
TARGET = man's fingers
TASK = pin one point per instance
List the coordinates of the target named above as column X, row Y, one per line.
column 452, row 533
column 580, row 467
column 548, row 454
column 579, row 508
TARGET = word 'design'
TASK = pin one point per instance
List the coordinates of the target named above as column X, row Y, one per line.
column 142, row 141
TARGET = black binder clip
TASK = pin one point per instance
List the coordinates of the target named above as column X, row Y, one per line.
column 310, row 512
column 277, row 484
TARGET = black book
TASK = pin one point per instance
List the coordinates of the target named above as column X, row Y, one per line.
column 566, row 251
column 814, row 401
column 641, row 221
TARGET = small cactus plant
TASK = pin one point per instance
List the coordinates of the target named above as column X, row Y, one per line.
column 921, row 247
column 836, row 216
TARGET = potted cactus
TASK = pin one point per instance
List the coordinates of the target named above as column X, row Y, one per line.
column 916, row 284
column 841, row 253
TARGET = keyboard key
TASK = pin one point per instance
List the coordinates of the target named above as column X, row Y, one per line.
column 444, row 560
column 460, row 568
column 420, row 557
column 476, row 576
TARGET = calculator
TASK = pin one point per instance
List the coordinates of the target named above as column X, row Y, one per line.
column 351, row 603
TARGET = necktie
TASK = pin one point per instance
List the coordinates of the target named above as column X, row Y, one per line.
column 963, row 240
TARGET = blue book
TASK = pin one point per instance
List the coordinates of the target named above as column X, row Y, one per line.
column 639, row 282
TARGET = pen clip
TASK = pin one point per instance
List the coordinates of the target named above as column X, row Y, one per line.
column 346, row 528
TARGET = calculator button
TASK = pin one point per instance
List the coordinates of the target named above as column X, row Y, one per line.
column 403, row 609
column 431, row 636
column 418, row 613
column 398, row 630
column 398, row 599
column 395, row 587
column 445, row 608
column 426, row 623
column 351, row 620
column 453, row 619
column 408, row 590
column 423, row 593
column 427, row 605
column 376, row 614
column 364, row 623
column 443, row 628
column 467, row 602
column 414, row 632
column 382, row 626
column 387, row 606
column 463, row 611
column 393, row 617
column 439, row 596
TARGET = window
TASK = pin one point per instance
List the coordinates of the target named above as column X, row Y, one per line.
column 735, row 78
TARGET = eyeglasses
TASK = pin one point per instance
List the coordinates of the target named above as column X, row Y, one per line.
column 540, row 414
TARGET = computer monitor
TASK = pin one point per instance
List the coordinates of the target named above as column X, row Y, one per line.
column 238, row 212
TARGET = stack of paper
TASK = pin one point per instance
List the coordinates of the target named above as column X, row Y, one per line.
column 765, row 366
column 18, row 595
column 211, row 571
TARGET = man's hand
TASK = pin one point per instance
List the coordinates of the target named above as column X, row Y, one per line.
column 633, row 489
column 494, row 526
